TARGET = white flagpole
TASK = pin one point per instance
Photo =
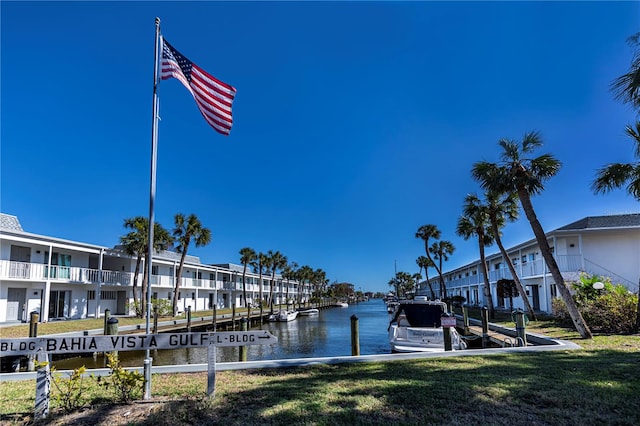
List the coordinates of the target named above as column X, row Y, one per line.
column 152, row 195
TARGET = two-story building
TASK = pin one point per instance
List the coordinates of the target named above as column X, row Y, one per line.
column 62, row 279
column 607, row 246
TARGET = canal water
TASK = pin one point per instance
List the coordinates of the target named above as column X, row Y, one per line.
column 327, row 334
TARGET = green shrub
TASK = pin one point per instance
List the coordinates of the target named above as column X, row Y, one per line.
column 612, row 309
column 126, row 385
column 69, row 391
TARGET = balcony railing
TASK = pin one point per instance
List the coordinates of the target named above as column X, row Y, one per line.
column 67, row 274
column 532, row 268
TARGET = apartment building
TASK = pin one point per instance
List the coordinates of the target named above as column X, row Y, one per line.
column 607, row 246
column 62, row 279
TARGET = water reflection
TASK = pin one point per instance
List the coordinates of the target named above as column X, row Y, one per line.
column 328, row 334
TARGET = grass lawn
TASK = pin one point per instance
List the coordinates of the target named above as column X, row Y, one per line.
column 598, row 385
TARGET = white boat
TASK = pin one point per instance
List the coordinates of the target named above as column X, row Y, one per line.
column 308, row 312
column 342, row 304
column 283, row 316
column 416, row 327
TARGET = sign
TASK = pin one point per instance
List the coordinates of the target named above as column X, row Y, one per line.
column 448, row 321
column 132, row 342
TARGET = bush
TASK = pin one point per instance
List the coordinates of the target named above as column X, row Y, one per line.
column 126, row 385
column 612, row 309
column 69, row 391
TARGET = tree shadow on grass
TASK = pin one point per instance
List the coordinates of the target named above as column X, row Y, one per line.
column 549, row 388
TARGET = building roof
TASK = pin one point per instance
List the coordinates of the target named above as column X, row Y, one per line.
column 10, row 222
column 595, row 222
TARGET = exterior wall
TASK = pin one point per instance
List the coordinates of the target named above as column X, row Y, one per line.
column 614, row 253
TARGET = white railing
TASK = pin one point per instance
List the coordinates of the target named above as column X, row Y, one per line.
column 67, row 274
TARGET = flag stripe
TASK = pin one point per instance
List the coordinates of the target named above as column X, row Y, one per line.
column 213, row 97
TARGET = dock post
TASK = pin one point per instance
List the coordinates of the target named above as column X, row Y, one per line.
column 485, row 327
column 233, row 316
column 446, row 334
column 155, row 318
column 520, row 320
column 188, row 319
column 215, row 317
column 107, row 315
column 355, row 336
column 112, row 330
column 33, row 332
column 465, row 319
column 243, row 349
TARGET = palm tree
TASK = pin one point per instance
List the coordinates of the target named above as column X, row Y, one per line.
column 626, row 88
column 276, row 261
column 425, row 233
column 289, row 273
column 319, row 281
column 260, row 264
column 622, row 175
column 247, row 256
column 187, row 229
column 426, row 263
column 474, row 222
column 304, row 275
column 517, row 172
column 503, row 208
column 136, row 243
column 441, row 250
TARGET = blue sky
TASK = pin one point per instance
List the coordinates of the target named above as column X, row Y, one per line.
column 354, row 123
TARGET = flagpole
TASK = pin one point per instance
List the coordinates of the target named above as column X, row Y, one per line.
column 152, row 195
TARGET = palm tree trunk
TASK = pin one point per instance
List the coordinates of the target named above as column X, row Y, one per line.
column 433, row 293
column 145, row 281
column 485, row 272
column 572, row 308
column 244, row 290
column 135, row 287
column 178, row 279
column 512, row 269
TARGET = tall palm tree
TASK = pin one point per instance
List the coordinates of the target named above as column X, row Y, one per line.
column 441, row 250
column 502, row 208
column 622, row 175
column 276, row 262
column 136, row 243
column 289, row 273
column 474, row 222
column 425, row 263
column 319, row 281
column 517, row 172
column 247, row 256
column 626, row 88
column 425, row 233
column 187, row 229
column 260, row 265
column 304, row 275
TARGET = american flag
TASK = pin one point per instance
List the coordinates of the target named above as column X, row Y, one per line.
column 213, row 97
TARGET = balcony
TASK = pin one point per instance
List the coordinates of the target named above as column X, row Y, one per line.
column 61, row 274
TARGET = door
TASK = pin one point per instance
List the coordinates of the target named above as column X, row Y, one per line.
column 16, row 298
column 121, row 303
column 59, row 304
column 535, row 297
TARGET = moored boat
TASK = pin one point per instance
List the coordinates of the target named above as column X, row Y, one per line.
column 283, row 316
column 308, row 312
column 416, row 327
column 342, row 304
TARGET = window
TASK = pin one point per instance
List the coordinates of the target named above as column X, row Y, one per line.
column 193, row 296
column 91, row 295
column 108, row 295
column 532, row 256
column 554, row 290
column 179, row 295
column 497, row 266
column 154, row 269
